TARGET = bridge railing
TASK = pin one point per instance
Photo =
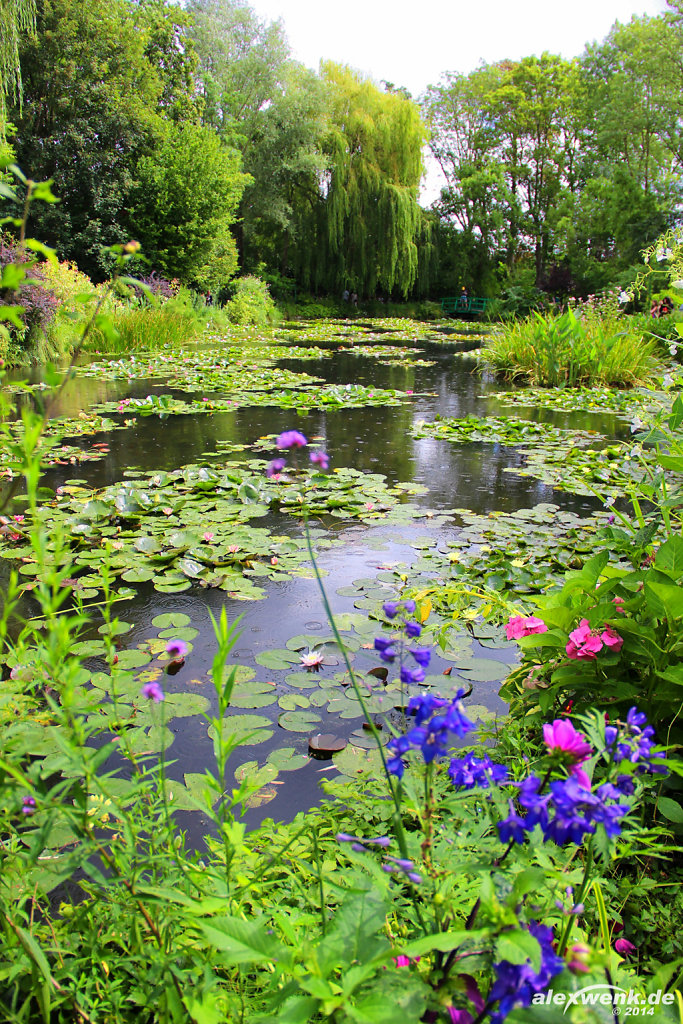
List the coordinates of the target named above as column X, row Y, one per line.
column 461, row 305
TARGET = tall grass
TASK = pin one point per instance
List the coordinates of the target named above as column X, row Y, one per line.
column 568, row 351
column 141, row 328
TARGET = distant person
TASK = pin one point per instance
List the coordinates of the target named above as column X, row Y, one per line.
column 345, row 295
column 354, row 299
column 462, row 301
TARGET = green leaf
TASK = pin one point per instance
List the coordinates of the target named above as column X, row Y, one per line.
column 171, row 619
column 298, row 721
column 517, row 947
column 671, row 810
column 244, row 941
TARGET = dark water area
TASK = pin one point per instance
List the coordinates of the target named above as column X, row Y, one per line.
column 377, row 440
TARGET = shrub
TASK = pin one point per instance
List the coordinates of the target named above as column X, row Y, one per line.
column 38, row 300
column 569, row 351
column 251, row 303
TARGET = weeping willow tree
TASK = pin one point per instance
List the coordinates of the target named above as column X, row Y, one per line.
column 16, row 16
column 371, row 221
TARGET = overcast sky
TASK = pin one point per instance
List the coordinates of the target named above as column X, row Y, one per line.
column 412, row 43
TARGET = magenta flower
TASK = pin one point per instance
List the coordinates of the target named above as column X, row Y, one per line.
column 28, row 805
column 562, row 738
column 320, row 459
column 275, row 467
column 208, row 537
column 624, row 947
column 520, row 625
column 291, row 439
column 617, row 602
column 584, row 643
column 579, row 958
column 176, row 649
column 152, row 691
column 611, row 639
column 401, row 960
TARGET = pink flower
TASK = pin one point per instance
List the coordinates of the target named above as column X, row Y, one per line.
column 611, row 639
column 583, row 643
column 618, row 601
column 580, row 776
column 624, row 947
column 176, row 649
column 562, row 737
column 153, row 692
column 401, row 960
column 579, row 958
column 520, row 626
column 208, row 537
column 291, row 439
column 320, row 459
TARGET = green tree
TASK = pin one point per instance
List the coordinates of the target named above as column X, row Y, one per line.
column 16, row 17
column 369, row 219
column 185, row 202
column 242, row 61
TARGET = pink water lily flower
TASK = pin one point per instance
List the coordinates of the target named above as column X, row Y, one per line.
column 176, row 649
column 312, row 659
column 208, row 537
column 520, row 625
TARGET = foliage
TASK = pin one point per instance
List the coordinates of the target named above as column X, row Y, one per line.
column 251, row 303
column 184, row 203
column 16, row 17
column 34, row 301
column 567, row 351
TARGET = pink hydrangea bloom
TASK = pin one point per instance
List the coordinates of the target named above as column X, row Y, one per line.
column 562, row 737
column 520, row 625
column 584, row 643
column 611, row 639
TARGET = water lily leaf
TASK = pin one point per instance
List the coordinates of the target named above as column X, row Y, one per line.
column 171, row 619
column 353, row 761
column 286, row 759
column 278, row 659
column 246, row 729
column 183, row 705
column 253, row 695
column 303, row 680
column 323, row 745
column 133, row 659
column 89, row 648
column 298, row 721
column 187, row 633
column 171, row 588
column 257, row 776
column 149, row 741
column 115, row 628
column 147, row 545
column 191, row 568
column 292, row 701
column 484, row 670
column 138, row 574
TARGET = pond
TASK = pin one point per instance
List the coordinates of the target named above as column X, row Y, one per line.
column 419, row 497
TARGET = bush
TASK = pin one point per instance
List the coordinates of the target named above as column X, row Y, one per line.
column 38, row 300
column 251, row 303
column 570, row 351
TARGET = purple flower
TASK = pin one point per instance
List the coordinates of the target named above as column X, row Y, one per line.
column 512, row 827
column 388, row 654
column 28, row 805
column 409, row 606
column 412, row 675
column 421, row 656
column 470, row 771
column 275, row 467
column 153, row 692
column 291, row 439
column 398, row 747
column 320, row 459
column 390, row 608
column 413, row 629
column 176, row 649
column 516, row 984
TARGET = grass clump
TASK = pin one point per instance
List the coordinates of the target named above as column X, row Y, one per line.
column 570, row 351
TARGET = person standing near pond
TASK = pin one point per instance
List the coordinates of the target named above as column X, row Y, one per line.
column 354, row 298
column 462, row 301
column 345, row 295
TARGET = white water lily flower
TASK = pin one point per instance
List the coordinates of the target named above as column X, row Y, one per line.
column 312, row 659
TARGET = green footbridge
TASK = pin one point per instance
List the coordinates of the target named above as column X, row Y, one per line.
column 463, row 305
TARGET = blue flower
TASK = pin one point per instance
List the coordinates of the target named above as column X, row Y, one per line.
column 516, row 984
column 390, row 609
column 512, row 827
column 411, row 675
column 470, row 771
column 413, row 629
column 421, row 656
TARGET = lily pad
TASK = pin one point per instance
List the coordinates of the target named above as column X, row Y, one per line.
column 169, row 619
column 323, row 745
column 298, row 721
